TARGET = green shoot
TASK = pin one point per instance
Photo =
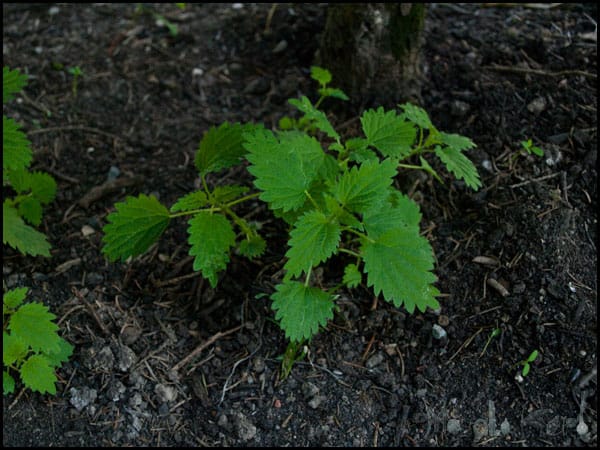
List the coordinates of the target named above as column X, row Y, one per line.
column 526, row 363
column 336, row 196
column 495, row 332
column 76, row 72
column 33, row 189
column 31, row 346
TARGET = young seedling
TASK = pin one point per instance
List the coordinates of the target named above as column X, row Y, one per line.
column 31, row 346
column 336, row 196
column 33, row 189
column 76, row 72
column 526, row 365
column 495, row 332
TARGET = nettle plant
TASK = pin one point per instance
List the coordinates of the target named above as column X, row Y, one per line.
column 31, row 346
column 33, row 189
column 337, row 196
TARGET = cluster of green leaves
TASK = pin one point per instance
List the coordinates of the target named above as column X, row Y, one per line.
column 30, row 344
column 33, row 189
column 337, row 198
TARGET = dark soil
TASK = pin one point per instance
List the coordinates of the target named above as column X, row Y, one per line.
column 375, row 375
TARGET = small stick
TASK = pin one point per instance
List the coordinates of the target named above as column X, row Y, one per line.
column 205, row 344
column 92, row 311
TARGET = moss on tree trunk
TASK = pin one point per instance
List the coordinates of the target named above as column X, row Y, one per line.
column 372, row 50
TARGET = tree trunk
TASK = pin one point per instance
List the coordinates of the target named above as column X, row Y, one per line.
column 373, row 50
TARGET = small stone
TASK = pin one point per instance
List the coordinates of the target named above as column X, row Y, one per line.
column 480, row 429
column 82, row 398
column 309, row 390
column 453, row 426
column 582, row 428
column 280, row 47
column 86, row 230
column 316, row 401
column 537, row 105
column 127, row 358
column 375, row 360
column 246, row 430
column 505, row 427
column 438, row 332
column 113, row 173
column 223, row 422
column 165, row 393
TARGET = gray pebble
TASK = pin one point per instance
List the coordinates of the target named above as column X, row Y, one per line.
column 480, row 429
column 453, row 426
column 375, row 360
column 80, row 398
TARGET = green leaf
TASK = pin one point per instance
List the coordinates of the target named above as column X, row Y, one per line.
column 456, row 141
column 210, row 237
column 301, row 309
column 190, row 202
column 33, row 324
column 31, row 210
column 315, row 238
column 525, row 370
column 134, row 227
column 398, row 261
column 38, row 374
column 352, row 276
column 459, row 165
column 427, row 168
column 364, row 186
column 388, row 133
column 323, row 76
column 359, row 151
column 221, row 147
column 63, row 354
column 14, row 349
column 21, row 236
column 333, row 92
column 13, row 298
column 252, row 246
column 18, row 179
column 317, row 116
column 43, row 187
column 284, row 167
column 8, row 383
column 16, row 148
column 225, row 194
column 533, row 356
column 13, row 81
column 417, row 115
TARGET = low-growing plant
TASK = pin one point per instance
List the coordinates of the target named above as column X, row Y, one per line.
column 31, row 346
column 337, row 197
column 33, row 189
column 77, row 72
column 526, row 365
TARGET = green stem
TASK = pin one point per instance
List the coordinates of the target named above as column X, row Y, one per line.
column 194, row 211
column 410, row 166
column 349, row 252
column 307, row 277
column 242, row 199
column 312, row 200
column 358, row 233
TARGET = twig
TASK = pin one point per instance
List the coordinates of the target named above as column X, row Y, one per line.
column 524, row 70
column 545, row 177
column 205, row 344
column 92, row 311
column 75, row 128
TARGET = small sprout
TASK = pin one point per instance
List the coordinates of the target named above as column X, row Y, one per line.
column 526, row 365
column 76, row 72
column 495, row 332
column 530, row 148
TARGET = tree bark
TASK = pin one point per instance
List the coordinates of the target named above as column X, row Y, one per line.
column 373, row 50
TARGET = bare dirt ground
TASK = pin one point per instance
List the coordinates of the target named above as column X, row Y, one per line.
column 376, row 376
